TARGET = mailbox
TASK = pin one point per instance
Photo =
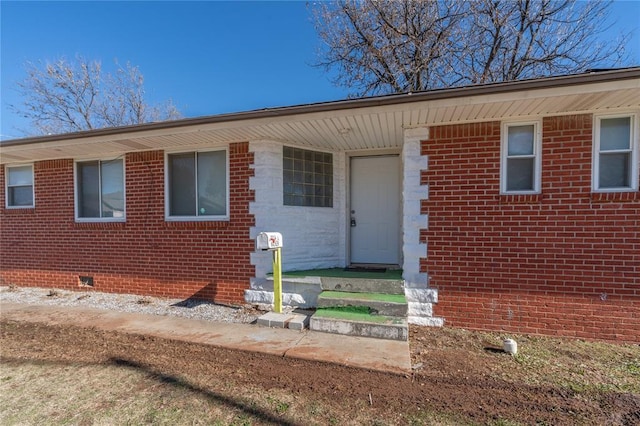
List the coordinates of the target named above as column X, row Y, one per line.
column 273, row 241
column 269, row 241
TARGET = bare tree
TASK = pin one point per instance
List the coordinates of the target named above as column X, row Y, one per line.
column 378, row 47
column 66, row 96
column 512, row 40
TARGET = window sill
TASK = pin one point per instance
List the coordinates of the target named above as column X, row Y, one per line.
column 20, row 210
column 520, row 198
column 615, row 197
column 100, row 225
column 197, row 224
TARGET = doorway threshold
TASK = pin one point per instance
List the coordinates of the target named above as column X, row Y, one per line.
column 377, row 269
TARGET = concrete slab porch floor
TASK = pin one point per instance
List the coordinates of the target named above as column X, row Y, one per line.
column 360, row 352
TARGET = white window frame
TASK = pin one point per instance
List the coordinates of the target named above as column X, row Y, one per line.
column 204, row 218
column 537, row 156
column 75, row 190
column 634, row 149
column 7, row 186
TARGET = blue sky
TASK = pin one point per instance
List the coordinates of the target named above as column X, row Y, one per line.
column 209, row 57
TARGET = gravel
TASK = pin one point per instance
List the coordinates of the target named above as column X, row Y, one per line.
column 189, row 308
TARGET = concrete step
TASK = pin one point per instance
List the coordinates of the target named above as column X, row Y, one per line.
column 293, row 320
column 363, row 285
column 394, row 305
column 359, row 324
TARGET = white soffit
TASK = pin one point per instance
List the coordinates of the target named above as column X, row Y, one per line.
column 368, row 127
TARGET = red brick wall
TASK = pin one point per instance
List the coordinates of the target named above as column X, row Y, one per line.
column 44, row 247
column 565, row 262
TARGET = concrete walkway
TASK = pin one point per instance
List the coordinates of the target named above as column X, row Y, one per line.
column 361, row 352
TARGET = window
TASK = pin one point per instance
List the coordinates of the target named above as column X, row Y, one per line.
column 100, row 190
column 521, row 165
column 197, row 186
column 307, row 178
column 615, row 154
column 19, row 193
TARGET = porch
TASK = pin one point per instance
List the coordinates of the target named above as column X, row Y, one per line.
column 352, row 301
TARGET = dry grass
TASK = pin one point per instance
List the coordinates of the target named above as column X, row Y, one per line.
column 573, row 364
column 54, row 393
column 37, row 387
column 35, row 393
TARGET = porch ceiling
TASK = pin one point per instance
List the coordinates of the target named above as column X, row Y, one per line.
column 341, row 126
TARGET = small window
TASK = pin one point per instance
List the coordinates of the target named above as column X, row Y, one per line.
column 307, row 178
column 100, row 190
column 615, row 154
column 19, row 193
column 521, row 158
column 197, row 186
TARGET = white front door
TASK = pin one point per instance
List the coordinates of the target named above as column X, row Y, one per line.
column 375, row 210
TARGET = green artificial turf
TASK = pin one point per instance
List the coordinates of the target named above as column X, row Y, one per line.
column 378, row 297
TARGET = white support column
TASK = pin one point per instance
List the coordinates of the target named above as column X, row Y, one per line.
column 412, row 193
column 420, row 297
column 267, row 186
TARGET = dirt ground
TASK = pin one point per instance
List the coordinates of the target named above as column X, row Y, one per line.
column 459, row 377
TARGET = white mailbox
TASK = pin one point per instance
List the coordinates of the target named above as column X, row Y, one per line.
column 269, row 241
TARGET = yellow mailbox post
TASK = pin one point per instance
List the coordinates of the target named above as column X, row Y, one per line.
column 272, row 241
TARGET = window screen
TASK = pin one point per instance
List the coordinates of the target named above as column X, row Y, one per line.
column 19, row 186
column 197, row 184
column 100, row 189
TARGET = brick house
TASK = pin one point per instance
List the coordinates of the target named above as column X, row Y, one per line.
column 511, row 206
